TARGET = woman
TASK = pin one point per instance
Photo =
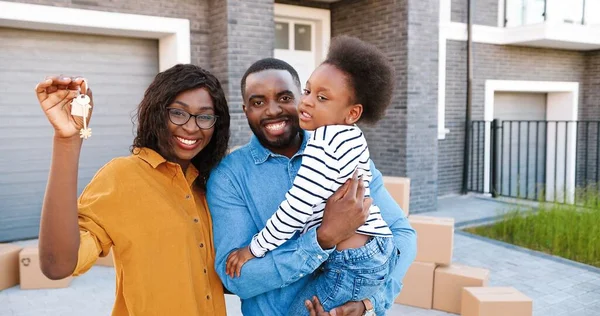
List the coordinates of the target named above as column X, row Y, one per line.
column 148, row 207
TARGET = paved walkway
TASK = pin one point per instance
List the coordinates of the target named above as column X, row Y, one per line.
column 558, row 287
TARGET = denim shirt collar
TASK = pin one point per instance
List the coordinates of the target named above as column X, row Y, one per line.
column 260, row 154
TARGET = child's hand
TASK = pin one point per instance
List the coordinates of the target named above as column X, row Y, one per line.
column 236, row 260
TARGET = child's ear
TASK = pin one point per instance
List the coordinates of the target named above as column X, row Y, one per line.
column 354, row 114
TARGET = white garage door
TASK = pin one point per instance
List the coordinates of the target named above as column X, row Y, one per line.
column 520, row 106
column 524, row 141
column 118, row 69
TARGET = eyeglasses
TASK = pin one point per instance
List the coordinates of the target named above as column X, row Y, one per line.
column 180, row 117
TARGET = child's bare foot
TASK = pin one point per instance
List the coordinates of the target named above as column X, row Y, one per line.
column 236, row 260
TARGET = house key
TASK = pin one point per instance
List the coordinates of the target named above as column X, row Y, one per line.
column 81, row 107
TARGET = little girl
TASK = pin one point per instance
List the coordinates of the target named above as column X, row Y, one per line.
column 354, row 84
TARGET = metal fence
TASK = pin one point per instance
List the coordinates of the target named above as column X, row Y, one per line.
column 535, row 160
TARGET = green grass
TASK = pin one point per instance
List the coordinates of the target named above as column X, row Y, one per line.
column 567, row 231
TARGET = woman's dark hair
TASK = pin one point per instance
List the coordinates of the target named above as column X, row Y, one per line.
column 370, row 74
column 152, row 130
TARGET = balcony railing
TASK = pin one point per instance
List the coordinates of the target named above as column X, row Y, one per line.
column 526, row 12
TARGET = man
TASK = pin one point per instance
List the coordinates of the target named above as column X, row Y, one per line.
column 245, row 190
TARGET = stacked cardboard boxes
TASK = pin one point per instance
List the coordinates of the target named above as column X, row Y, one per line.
column 434, row 282
column 9, row 265
column 31, row 274
column 449, row 282
column 21, row 266
column 495, row 301
column 399, row 189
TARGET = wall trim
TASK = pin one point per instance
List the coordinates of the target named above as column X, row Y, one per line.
column 173, row 34
column 445, row 17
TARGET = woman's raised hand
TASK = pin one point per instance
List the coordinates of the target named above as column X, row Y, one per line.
column 55, row 95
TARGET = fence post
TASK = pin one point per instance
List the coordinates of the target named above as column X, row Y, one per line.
column 496, row 152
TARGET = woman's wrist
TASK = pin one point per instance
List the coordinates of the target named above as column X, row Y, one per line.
column 69, row 142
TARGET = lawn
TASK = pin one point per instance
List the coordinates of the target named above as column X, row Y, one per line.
column 567, row 231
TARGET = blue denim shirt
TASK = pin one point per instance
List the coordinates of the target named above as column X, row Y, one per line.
column 244, row 191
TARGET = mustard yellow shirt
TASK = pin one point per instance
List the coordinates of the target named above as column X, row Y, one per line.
column 160, row 230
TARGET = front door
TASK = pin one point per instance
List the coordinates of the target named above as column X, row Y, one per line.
column 295, row 43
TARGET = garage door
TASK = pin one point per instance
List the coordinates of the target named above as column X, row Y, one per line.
column 118, row 69
column 524, row 141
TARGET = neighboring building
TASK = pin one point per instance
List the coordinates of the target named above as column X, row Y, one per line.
column 120, row 45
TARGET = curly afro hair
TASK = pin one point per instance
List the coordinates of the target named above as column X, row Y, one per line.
column 369, row 74
column 152, row 130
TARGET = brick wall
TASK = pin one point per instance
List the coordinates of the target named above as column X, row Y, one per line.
column 382, row 23
column 403, row 143
column 498, row 63
column 421, row 140
column 249, row 36
column 590, row 111
column 591, row 88
column 485, row 11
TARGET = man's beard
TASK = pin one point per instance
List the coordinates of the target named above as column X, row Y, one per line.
column 282, row 141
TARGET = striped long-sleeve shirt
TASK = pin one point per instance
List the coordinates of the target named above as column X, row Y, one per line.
column 331, row 156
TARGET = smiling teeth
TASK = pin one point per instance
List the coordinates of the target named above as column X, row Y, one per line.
column 187, row 141
column 277, row 126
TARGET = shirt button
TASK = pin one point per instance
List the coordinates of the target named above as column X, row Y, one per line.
column 205, row 271
column 208, row 297
column 301, row 274
column 196, row 221
column 319, row 257
column 201, row 245
column 187, row 197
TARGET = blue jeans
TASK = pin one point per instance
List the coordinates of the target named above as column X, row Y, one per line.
column 348, row 275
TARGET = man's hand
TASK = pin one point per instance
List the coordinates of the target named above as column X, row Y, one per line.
column 346, row 210
column 349, row 309
column 236, row 260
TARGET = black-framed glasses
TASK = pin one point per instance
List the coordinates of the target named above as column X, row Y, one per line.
column 180, row 117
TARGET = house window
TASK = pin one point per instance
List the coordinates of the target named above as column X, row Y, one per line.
column 295, row 43
column 302, row 36
column 523, row 12
column 293, row 35
column 282, row 35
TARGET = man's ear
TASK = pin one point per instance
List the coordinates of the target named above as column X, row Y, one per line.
column 354, row 114
column 244, row 108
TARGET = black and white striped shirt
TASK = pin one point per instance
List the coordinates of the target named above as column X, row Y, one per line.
column 332, row 154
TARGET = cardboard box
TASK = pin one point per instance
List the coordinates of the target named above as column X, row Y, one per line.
column 435, row 238
column 399, row 189
column 31, row 273
column 418, row 285
column 107, row 261
column 495, row 301
column 449, row 282
column 9, row 265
